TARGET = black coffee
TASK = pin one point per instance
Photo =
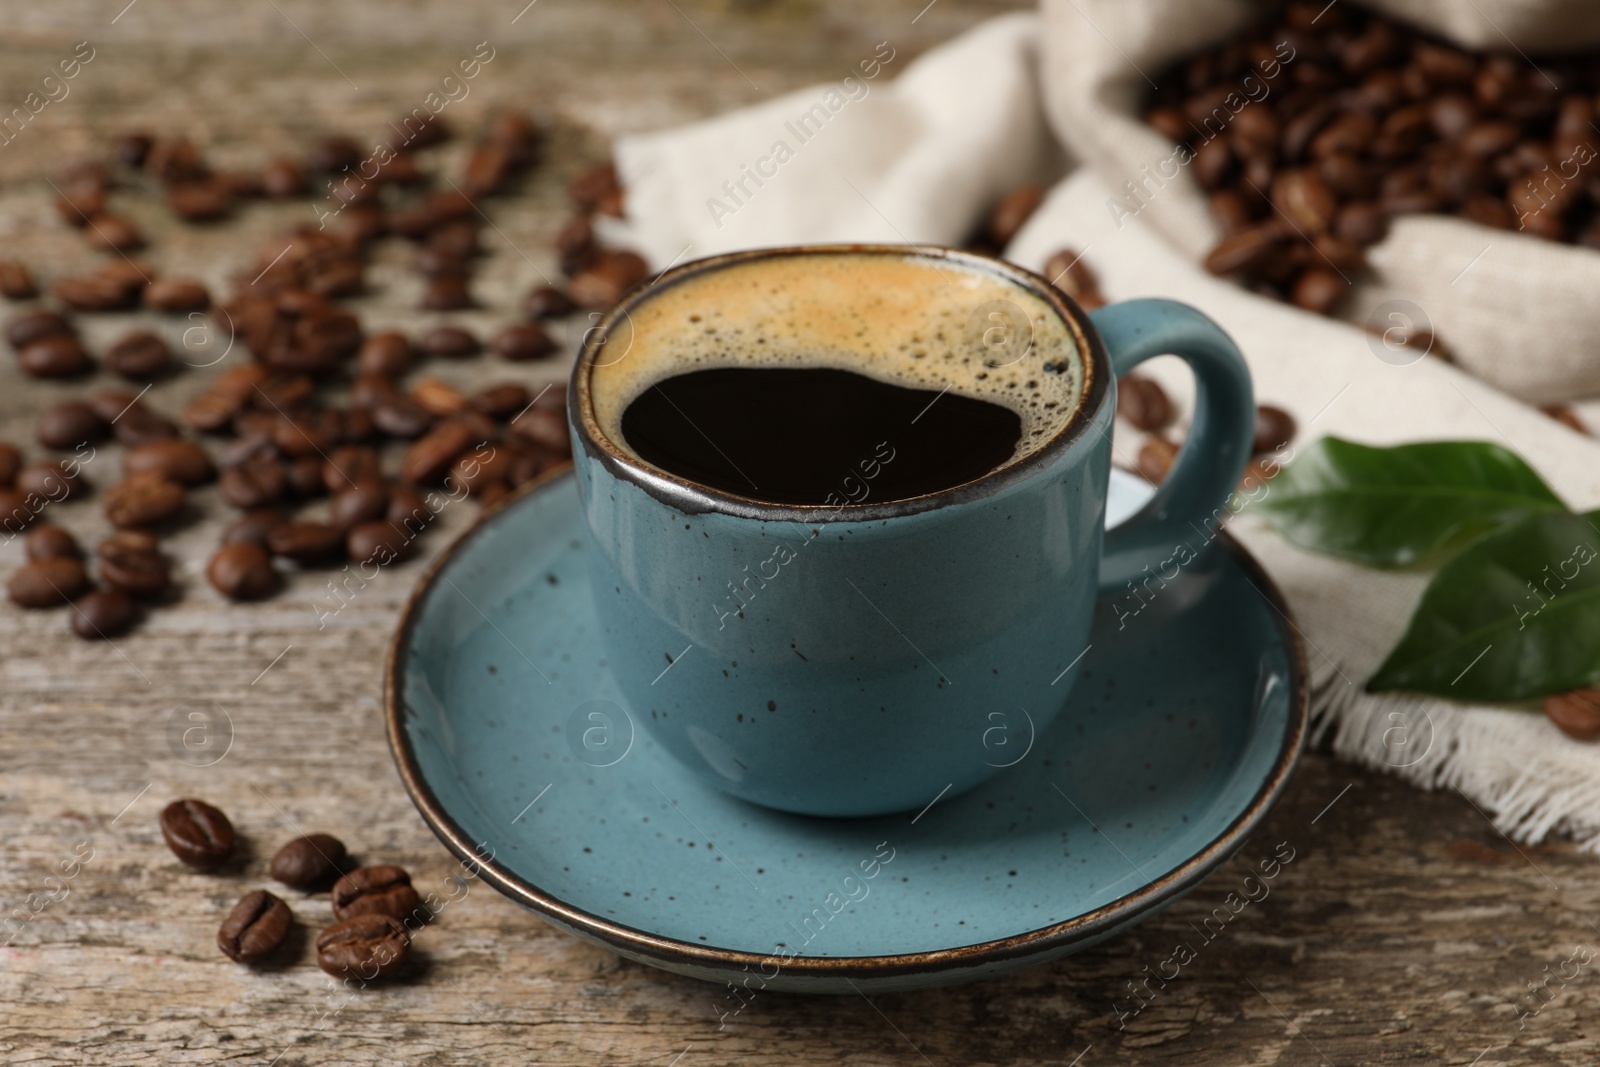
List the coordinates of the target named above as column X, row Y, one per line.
column 816, row 436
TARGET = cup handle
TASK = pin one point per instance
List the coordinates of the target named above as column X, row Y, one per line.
column 1191, row 502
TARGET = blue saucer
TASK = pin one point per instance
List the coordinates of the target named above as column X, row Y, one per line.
column 1185, row 723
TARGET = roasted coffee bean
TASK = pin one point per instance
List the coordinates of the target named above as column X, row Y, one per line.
column 1560, row 412
column 518, row 136
column 1338, row 253
column 113, row 233
column 209, row 412
column 69, row 424
column 103, row 614
column 1013, row 210
column 592, row 184
column 54, row 480
column 46, row 540
column 1318, row 288
column 138, row 425
column 1257, row 473
column 255, row 482
column 447, row 292
column 366, row 947
column 139, row 356
column 377, row 541
column 575, row 237
column 429, row 458
column 438, row 397
column 522, row 341
column 1304, row 198
column 358, row 503
column 255, row 928
column 18, row 509
column 16, row 281
column 480, row 469
column 176, row 294
column 142, row 501
column 305, row 477
column 526, row 464
column 81, row 201
column 1155, row 459
column 401, row 416
column 1245, row 251
column 253, row 526
column 449, row 342
column 1361, row 223
column 96, row 292
column 1576, row 714
column 284, row 179
column 1275, row 428
column 309, row 862
column 175, row 160
column 383, row 889
column 502, row 400
column 47, row 583
column 350, row 465
column 198, row 834
column 242, row 570
column 333, row 154
column 306, row 543
column 132, row 561
column 10, row 464
column 301, row 437
column 387, row 353
column 601, row 284
column 58, row 355
column 408, row 510
column 1067, row 271
column 176, row 459
column 1143, row 403
column 543, row 427
column 30, row 326
column 547, row 302
column 200, row 201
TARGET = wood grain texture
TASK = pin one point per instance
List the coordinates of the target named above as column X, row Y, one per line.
column 1405, row 931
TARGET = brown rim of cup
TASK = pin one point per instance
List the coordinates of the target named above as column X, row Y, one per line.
column 691, row 498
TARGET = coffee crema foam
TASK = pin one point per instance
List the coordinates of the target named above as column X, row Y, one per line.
column 904, row 319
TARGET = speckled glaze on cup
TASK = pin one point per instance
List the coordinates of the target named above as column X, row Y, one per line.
column 867, row 674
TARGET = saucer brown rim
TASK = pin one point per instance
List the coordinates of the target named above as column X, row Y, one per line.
column 632, row 942
column 691, row 498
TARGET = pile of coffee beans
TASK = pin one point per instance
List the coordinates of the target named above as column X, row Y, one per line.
column 375, row 908
column 321, row 408
column 1317, row 127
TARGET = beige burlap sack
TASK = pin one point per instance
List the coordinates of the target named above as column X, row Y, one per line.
column 1518, row 311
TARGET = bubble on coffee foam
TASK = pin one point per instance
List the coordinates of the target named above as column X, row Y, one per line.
column 908, row 320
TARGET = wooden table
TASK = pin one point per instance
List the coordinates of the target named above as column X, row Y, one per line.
column 1406, row 930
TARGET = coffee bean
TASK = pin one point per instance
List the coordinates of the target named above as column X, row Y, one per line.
column 1245, row 251
column 253, row 526
column 198, row 834
column 447, row 292
column 139, row 356
column 592, row 184
column 365, row 947
column 81, row 201
column 358, row 503
column 305, row 477
column 378, row 890
column 439, row 398
column 1155, row 459
column 1013, row 210
column 502, row 400
column 602, row 283
column 132, row 561
column 242, row 570
column 522, row 341
column 46, row 540
column 526, row 464
column 199, row 201
column 54, row 480
column 142, row 501
column 449, row 342
column 478, row 471
column 131, row 149
column 176, row 294
column 113, row 233
column 387, row 353
column 58, row 355
column 1361, row 223
column 309, row 862
column 1256, row 474
column 543, row 427
column 175, row 159
column 47, row 583
column 97, row 292
column 10, row 464
column 306, row 543
column 349, row 465
column 70, row 424
column 1143, row 403
column 29, row 326
column 255, row 928
column 1304, row 198
column 16, row 281
column 408, row 511
column 547, row 302
column 1576, row 714
column 176, row 459
column 1318, row 289
column 301, row 437
column 1560, row 412
column 1275, row 428
column 284, row 179
column 377, row 541
column 428, row 458
column 103, row 613
column 254, row 483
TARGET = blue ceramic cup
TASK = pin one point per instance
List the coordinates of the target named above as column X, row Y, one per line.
column 869, row 656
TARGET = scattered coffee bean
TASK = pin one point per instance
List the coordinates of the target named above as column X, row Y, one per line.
column 16, row 281
column 176, row 459
column 547, row 302
column 46, row 540
column 310, row 862
column 1014, row 209
column 502, row 400
column 139, row 356
column 54, row 480
column 377, row 541
column 1576, row 714
column 284, row 179
column 1257, row 473
column 543, row 427
column 176, row 294
column 253, row 526
column 449, row 342
column 255, row 928
column 387, row 353
column 358, row 503
column 428, row 458
column 30, row 326
column 601, row 283
column 1143, row 403
column 47, row 583
column 103, row 614
column 593, row 185
column 367, row 946
column 1275, row 428
column 242, row 570
column 200, row 201
column 1567, row 417
column 69, row 424
column 198, row 834
column 142, row 501
column 408, row 512
column 131, row 149
column 383, row 889
column 447, row 292
column 138, row 425
column 1155, row 459
column 132, row 561
column 438, row 398
column 113, row 233
column 306, row 543
column 59, row 355
column 256, row 482
column 521, row 342
column 1067, row 271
